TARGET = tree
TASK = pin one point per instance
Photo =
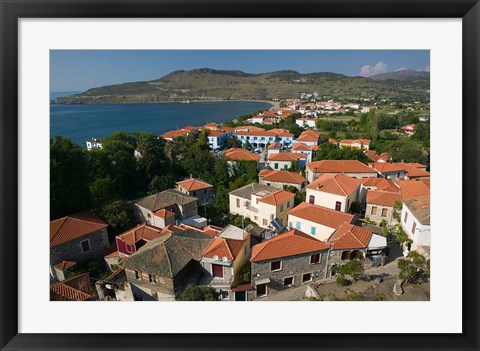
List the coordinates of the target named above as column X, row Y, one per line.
column 246, row 273
column 404, row 150
column 119, row 216
column 198, row 293
column 352, row 268
column 355, row 207
column 415, row 268
column 400, row 236
column 329, row 151
column 102, row 190
column 233, row 142
column 69, row 178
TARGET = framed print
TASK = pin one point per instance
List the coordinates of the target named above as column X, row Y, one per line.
column 221, row 175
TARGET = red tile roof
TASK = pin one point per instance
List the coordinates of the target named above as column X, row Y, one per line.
column 349, row 236
column 174, row 134
column 383, row 198
column 193, row 184
column 163, row 213
column 411, row 189
column 286, row 156
column 310, row 136
column 216, row 133
column 169, row 229
column 274, row 146
column 73, row 289
column 237, row 154
column 65, row 265
column 389, row 167
column 339, row 184
column 301, row 146
column 246, row 128
column 264, row 172
column 291, row 243
column 339, row 166
column 144, row 231
column 74, row 226
column 277, row 197
column 226, row 247
column 372, row 154
column 321, row 215
column 355, row 141
column 282, row 177
column 242, row 287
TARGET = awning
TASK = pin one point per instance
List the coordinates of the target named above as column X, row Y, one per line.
column 262, row 281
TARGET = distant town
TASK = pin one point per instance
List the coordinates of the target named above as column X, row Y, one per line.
column 317, row 198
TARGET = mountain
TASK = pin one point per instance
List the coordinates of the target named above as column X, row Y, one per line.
column 403, row 75
column 209, row 84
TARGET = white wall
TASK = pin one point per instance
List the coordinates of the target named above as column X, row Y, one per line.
column 328, row 200
column 322, row 232
column 421, row 236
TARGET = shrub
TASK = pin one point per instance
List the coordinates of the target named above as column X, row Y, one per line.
column 353, row 296
column 342, row 281
column 198, row 293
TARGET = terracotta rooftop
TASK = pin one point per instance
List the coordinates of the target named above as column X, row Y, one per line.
column 420, row 208
column 321, row 215
column 411, row 189
column 301, row 147
column 282, row 177
column 193, row 184
column 74, row 226
column 339, row 184
column 349, row 236
column 274, row 146
column 237, row 154
column 226, row 247
column 64, row 265
column 143, row 231
column 291, row 243
column 286, row 156
column 381, row 184
column 277, row 197
column 372, row 154
column 355, row 141
column 174, row 134
column 264, row 172
column 246, row 128
column 73, row 289
column 163, row 213
column 310, row 136
column 339, row 166
column 216, row 133
column 383, row 198
column 384, row 167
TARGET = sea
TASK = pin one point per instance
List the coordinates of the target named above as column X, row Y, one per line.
column 84, row 122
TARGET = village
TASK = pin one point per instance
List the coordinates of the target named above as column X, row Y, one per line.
column 308, row 227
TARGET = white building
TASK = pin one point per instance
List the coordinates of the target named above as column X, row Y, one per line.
column 415, row 221
column 94, row 144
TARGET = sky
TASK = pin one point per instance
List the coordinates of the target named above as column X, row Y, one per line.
column 79, row 70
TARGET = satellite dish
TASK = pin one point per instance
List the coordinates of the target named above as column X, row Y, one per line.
column 215, row 257
column 224, row 259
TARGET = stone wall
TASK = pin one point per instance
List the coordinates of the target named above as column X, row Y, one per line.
column 72, row 250
column 335, row 258
column 378, row 216
column 294, row 266
column 142, row 287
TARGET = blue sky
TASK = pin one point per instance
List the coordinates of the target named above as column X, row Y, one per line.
column 78, row 70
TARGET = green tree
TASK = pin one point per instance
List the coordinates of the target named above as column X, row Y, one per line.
column 352, row 268
column 415, row 268
column 119, row 216
column 69, row 178
column 405, row 150
column 355, row 207
column 198, row 293
column 102, row 190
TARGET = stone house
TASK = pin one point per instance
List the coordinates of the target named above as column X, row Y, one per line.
column 334, row 191
column 415, row 221
column 197, row 188
column 320, row 222
column 78, row 238
column 163, row 267
column 133, row 239
column 350, row 242
column 279, row 179
column 223, row 260
column 262, row 204
column 352, row 168
column 375, row 184
column 157, row 209
column 287, row 260
column 380, row 205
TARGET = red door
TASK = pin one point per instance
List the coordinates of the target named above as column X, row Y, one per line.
column 217, row 271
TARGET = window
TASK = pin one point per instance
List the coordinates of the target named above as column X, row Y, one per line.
column 313, row 230
column 315, row 258
column 338, row 206
column 256, row 200
column 374, row 211
column 238, row 202
column 149, row 215
column 261, row 290
column 276, row 266
column 345, row 255
column 152, row 279
column 275, row 165
column 405, row 217
column 205, row 191
column 288, row 281
column 224, row 295
column 281, row 208
column 298, row 225
column 311, row 199
column 306, row 277
column 245, row 250
column 285, row 166
column 268, row 184
column 129, row 248
column 137, row 276
column 414, row 226
column 85, row 246
column 265, row 222
column 288, row 204
column 384, row 212
column 256, row 218
column 194, row 193
column 217, row 271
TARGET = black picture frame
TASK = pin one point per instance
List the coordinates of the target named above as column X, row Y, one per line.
column 12, row 11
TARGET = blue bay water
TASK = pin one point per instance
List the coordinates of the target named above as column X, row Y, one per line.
column 83, row 122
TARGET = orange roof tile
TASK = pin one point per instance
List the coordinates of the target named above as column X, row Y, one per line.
column 383, row 198
column 388, row 167
column 381, row 184
column 246, row 128
column 65, row 265
column 237, row 154
column 349, row 236
column 163, row 213
column 264, row 172
column 301, row 146
column 226, row 247
column 339, row 166
column 277, row 197
column 143, row 231
column 169, row 229
column 73, row 289
column 283, row 177
column 310, row 136
column 355, row 141
column 339, row 184
column 74, row 226
column 291, row 243
column 321, row 215
column 286, row 156
column 193, row 184
column 174, row 134
column 216, row 133
column 274, row 146
column 411, row 189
